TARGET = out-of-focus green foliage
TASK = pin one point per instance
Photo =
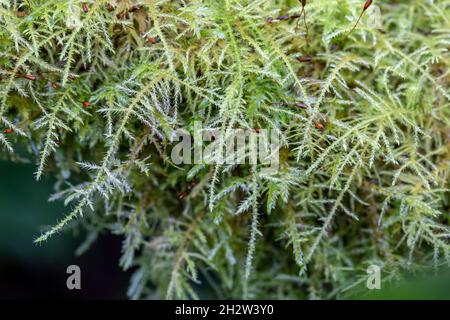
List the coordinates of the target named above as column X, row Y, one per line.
column 96, row 89
column 425, row 287
column 23, row 207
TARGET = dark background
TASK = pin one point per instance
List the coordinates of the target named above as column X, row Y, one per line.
column 39, row 271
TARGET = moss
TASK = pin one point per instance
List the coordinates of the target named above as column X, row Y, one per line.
column 96, row 90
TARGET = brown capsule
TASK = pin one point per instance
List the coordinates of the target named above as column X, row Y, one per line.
column 257, row 130
column 182, row 195
column 304, row 59
column 86, row 104
column 368, row 4
column 281, row 18
column 54, row 86
column 318, row 125
column 8, row 131
column 152, row 40
column 85, row 8
column 29, row 77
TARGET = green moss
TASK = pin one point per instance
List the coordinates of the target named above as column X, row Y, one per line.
column 364, row 168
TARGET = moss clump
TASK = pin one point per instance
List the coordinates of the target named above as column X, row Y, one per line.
column 96, row 90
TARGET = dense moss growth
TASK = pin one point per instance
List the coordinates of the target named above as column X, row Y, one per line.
column 96, row 89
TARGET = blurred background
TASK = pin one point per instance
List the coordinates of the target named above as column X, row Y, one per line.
column 30, row 271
